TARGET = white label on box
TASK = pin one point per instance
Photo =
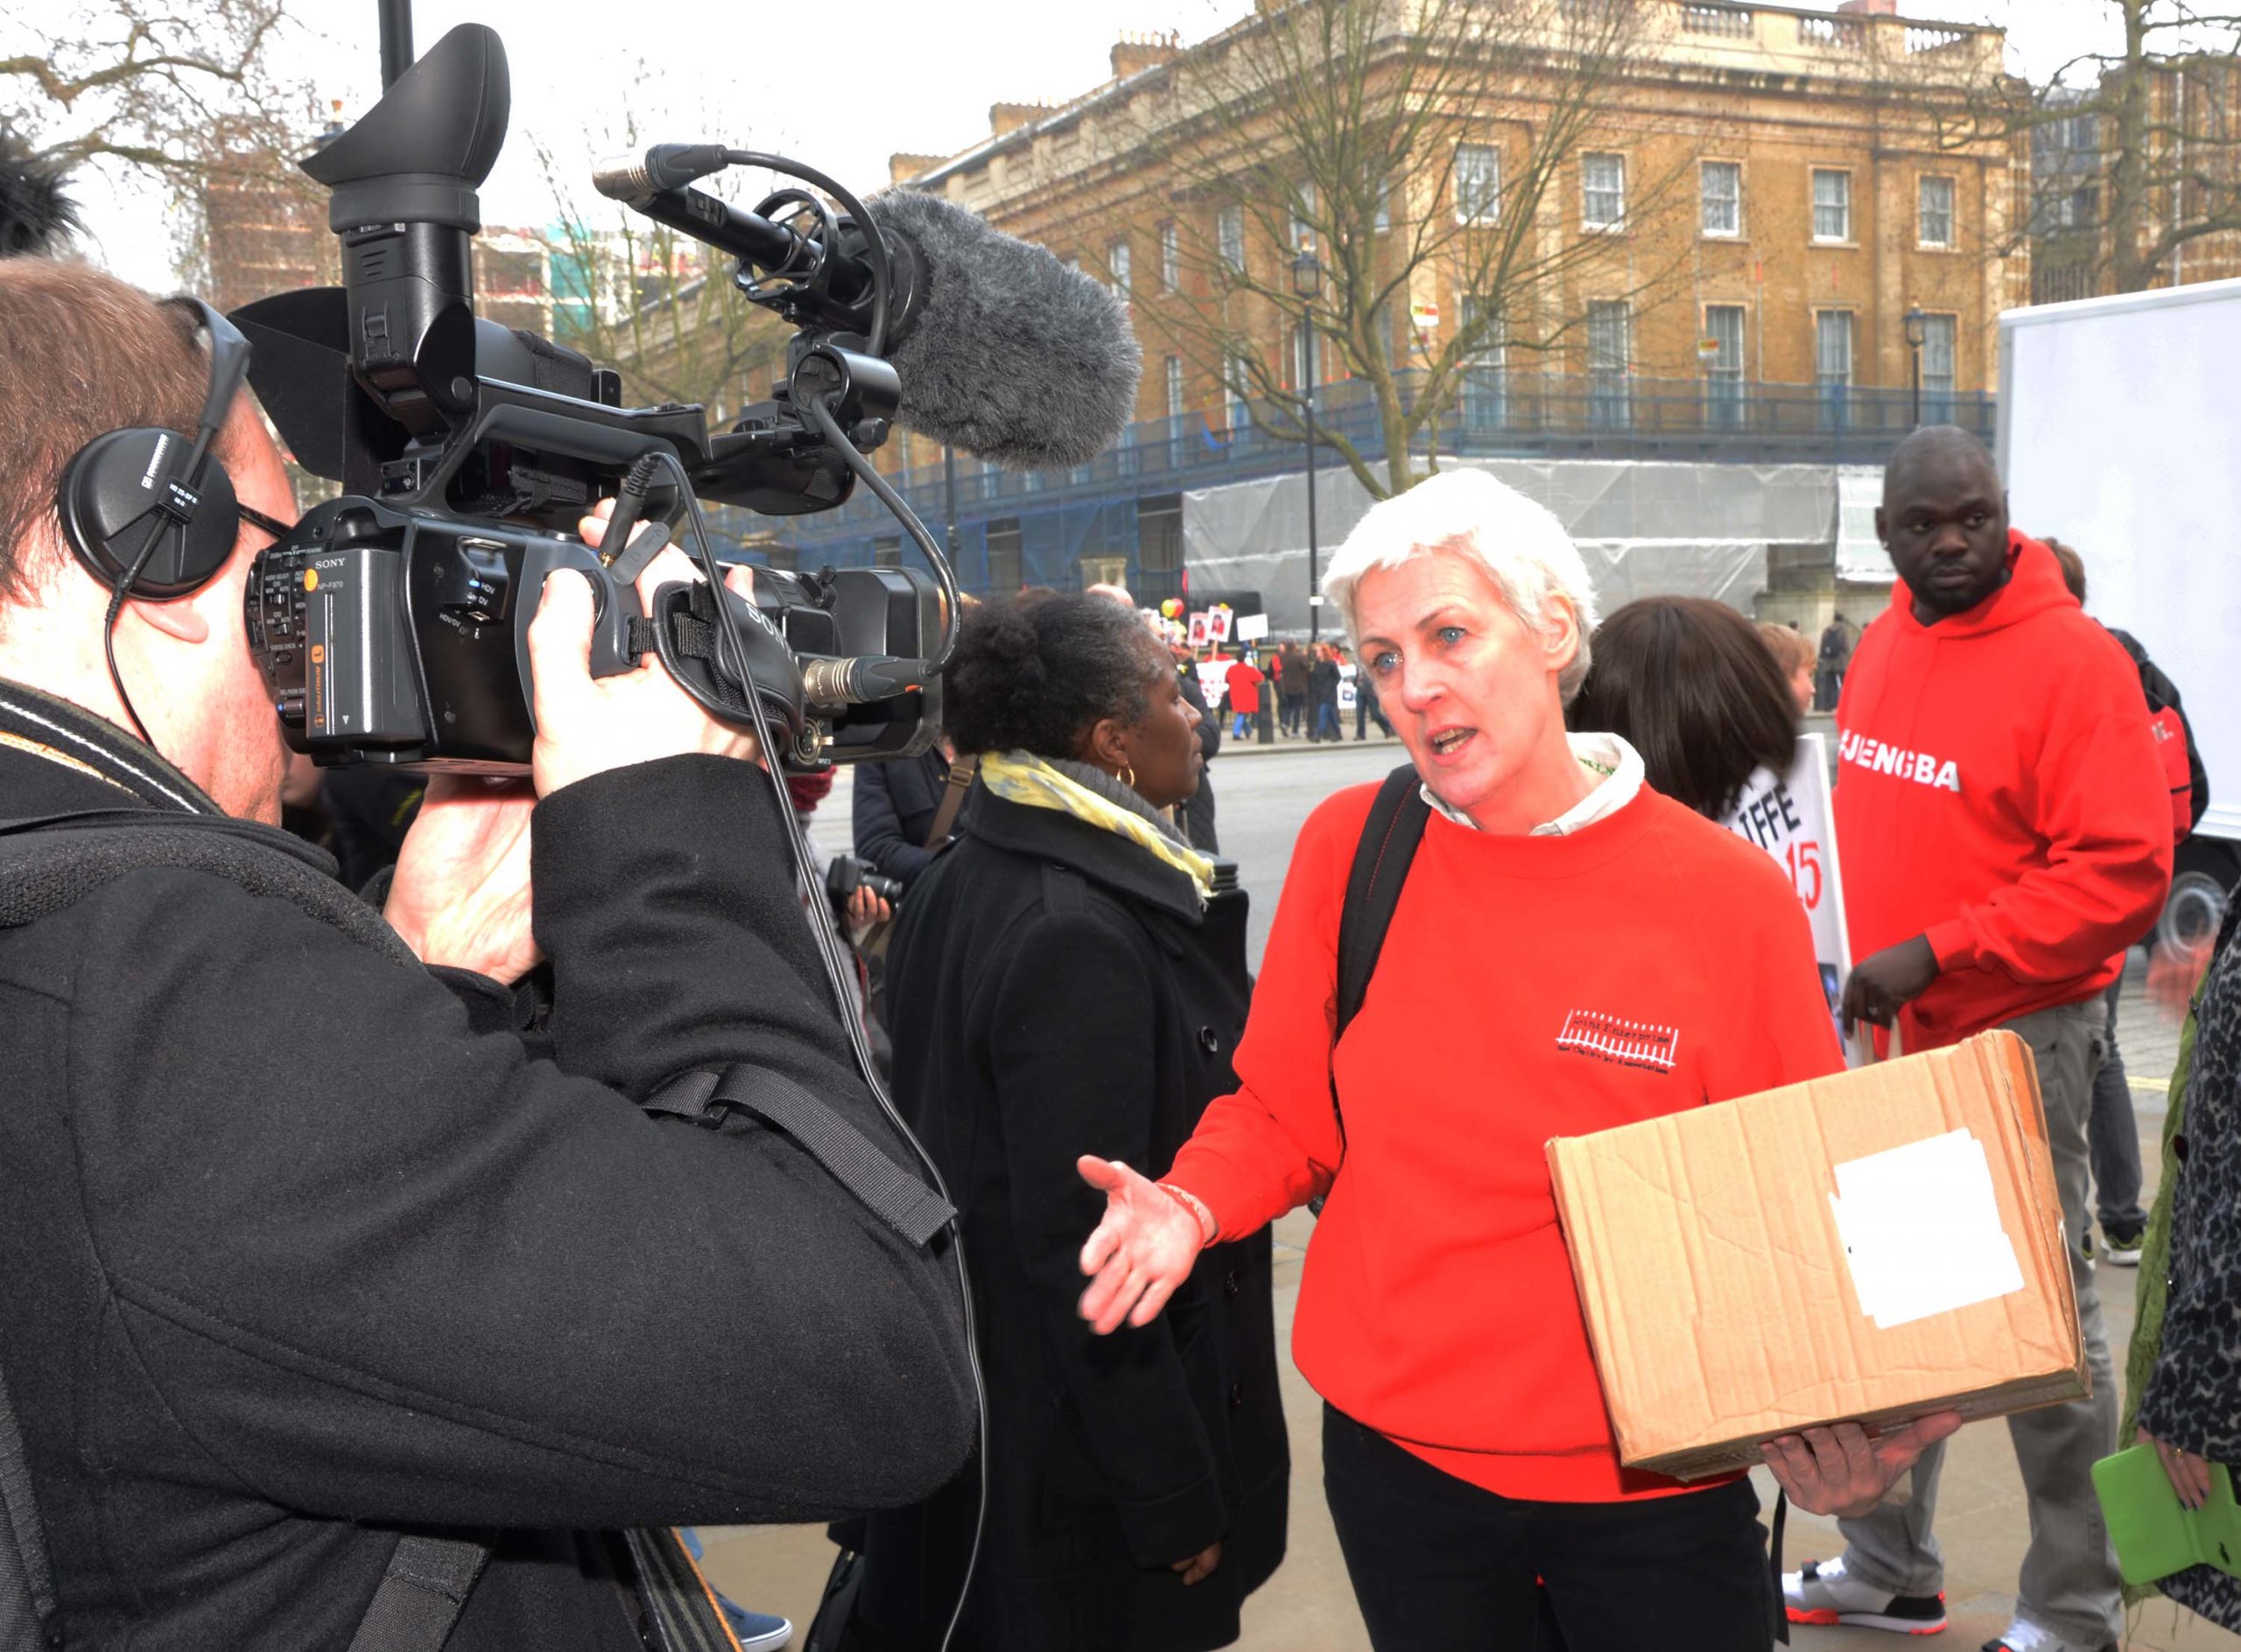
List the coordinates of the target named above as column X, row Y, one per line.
column 1921, row 1231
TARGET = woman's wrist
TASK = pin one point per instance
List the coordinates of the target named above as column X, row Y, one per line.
column 1208, row 1229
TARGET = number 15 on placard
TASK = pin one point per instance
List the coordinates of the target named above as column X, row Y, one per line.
column 1803, row 860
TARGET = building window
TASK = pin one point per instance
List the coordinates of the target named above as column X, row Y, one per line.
column 1603, row 191
column 1229, row 235
column 1384, row 205
column 1170, row 257
column 1720, row 183
column 1302, row 216
column 1832, row 205
column 1934, row 215
column 1610, row 346
column 1174, row 387
column 1117, row 260
column 1485, row 391
column 887, row 550
column 1723, row 365
column 1478, row 184
column 1939, row 336
column 1234, row 384
column 1159, row 536
column 1832, row 365
column 1004, row 576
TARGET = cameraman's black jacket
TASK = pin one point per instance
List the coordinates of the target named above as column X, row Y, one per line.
column 303, row 1246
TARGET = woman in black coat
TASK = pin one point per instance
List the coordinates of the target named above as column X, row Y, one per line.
column 1063, row 985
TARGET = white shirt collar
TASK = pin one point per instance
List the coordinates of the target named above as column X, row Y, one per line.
column 1619, row 763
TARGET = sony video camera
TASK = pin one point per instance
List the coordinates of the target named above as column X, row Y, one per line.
column 391, row 623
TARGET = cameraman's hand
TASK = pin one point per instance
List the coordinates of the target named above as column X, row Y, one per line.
column 587, row 725
column 460, row 896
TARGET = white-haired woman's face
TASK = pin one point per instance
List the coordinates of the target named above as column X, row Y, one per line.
column 1472, row 690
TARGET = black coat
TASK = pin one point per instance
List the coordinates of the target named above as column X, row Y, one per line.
column 1057, row 992
column 892, row 810
column 304, row 1245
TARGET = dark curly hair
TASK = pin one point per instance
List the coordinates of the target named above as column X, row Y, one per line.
column 1037, row 677
column 1688, row 683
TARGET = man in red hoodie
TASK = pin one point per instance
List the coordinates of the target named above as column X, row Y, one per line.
column 2005, row 836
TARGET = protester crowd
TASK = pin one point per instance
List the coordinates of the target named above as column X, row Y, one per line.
column 347, row 1228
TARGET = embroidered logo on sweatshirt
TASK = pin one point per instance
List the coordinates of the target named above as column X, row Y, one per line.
column 1921, row 767
column 1633, row 1044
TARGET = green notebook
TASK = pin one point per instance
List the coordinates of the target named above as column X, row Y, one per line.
column 2154, row 1533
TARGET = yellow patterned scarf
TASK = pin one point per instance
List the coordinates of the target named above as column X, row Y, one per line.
column 1021, row 778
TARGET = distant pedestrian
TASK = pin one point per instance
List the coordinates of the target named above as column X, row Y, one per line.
column 1245, row 680
column 1293, row 685
column 1835, row 658
column 1322, row 678
column 1366, row 704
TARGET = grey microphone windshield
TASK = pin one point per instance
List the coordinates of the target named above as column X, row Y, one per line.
column 1002, row 350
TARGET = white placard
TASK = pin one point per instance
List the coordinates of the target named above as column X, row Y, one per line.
column 1218, row 619
column 1251, row 628
column 1790, row 818
column 1921, row 1231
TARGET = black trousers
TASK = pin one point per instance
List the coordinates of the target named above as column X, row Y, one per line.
column 1440, row 1566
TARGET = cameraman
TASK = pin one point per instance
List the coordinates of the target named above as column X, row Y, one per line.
column 307, row 1249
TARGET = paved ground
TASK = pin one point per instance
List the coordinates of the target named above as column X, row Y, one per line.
column 1308, row 1607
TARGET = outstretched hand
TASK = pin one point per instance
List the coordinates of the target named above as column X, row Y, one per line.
column 1141, row 1252
column 1840, row 1471
column 1883, row 985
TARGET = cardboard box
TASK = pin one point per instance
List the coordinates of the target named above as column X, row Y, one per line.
column 1874, row 1246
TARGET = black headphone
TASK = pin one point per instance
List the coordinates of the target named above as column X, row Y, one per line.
column 150, row 513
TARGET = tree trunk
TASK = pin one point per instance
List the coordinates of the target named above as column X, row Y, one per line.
column 2129, row 167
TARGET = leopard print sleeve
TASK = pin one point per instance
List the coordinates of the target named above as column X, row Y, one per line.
column 2192, row 1398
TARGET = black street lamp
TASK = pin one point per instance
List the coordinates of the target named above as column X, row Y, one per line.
column 1307, row 285
column 1916, row 334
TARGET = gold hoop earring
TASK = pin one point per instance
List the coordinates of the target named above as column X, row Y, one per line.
column 1128, row 775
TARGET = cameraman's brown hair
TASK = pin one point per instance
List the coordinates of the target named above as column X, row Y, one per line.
column 1687, row 682
column 80, row 354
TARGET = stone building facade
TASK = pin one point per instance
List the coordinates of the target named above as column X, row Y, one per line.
column 1803, row 205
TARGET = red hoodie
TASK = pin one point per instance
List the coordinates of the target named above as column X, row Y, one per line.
column 1998, row 791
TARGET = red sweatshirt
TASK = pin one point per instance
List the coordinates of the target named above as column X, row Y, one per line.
column 1999, row 791
column 1529, row 987
column 1245, row 680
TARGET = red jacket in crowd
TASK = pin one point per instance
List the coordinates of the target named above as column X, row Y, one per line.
column 1245, row 680
column 1998, row 792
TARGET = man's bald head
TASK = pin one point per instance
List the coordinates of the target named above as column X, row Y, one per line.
column 1112, row 594
column 1946, row 448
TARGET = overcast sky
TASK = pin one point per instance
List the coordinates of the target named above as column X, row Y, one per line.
column 915, row 75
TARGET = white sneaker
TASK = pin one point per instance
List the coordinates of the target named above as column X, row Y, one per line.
column 1822, row 1594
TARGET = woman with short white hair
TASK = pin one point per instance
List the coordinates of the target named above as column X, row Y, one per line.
column 1569, row 951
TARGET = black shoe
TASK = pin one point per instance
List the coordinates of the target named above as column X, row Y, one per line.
column 2121, row 1245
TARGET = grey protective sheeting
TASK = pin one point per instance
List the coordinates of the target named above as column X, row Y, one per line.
column 1861, row 556
column 1694, row 529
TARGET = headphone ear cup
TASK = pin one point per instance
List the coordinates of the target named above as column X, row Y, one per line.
column 109, row 498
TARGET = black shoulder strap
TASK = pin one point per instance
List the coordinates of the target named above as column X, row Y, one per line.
column 27, row 1614
column 1389, row 844
column 421, row 1595
column 900, row 1199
